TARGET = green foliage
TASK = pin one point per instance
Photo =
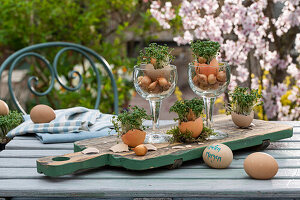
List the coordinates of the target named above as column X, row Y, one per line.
column 131, row 119
column 188, row 110
column 205, row 49
column 9, row 122
column 99, row 25
column 161, row 55
column 242, row 102
column 177, row 136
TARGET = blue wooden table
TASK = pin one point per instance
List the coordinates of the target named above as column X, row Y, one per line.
column 19, row 178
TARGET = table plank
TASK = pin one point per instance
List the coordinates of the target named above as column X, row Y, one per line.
column 114, row 173
column 194, row 164
column 150, row 188
column 36, row 144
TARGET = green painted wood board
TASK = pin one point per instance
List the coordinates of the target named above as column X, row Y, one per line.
column 238, row 139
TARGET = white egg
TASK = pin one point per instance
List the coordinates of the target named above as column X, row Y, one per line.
column 217, row 156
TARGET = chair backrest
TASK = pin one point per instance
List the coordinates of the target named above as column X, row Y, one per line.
column 13, row 60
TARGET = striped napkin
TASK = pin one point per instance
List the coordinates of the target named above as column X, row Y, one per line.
column 71, row 120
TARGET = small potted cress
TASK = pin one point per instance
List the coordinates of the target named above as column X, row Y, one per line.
column 241, row 105
column 129, row 125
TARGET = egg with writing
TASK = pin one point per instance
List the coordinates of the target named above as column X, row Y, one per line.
column 4, row 110
column 260, row 166
column 42, row 114
column 217, row 156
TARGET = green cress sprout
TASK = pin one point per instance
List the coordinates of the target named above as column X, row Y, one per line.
column 188, row 110
column 131, row 119
column 206, row 50
column 157, row 55
column 242, row 102
column 9, row 122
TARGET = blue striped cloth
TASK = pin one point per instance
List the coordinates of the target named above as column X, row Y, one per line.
column 70, row 125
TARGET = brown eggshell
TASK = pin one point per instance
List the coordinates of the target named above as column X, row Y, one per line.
column 42, row 114
column 157, row 73
column 211, row 79
column 193, row 126
column 4, row 110
column 242, row 121
column 140, row 150
column 134, row 137
column 260, row 166
column 217, row 156
column 201, row 60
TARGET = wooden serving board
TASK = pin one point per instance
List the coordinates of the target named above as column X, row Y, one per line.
column 165, row 155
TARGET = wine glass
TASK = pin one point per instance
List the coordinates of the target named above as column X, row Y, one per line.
column 155, row 85
column 209, row 82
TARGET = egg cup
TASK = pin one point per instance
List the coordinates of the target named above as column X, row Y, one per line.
column 209, row 82
column 155, row 85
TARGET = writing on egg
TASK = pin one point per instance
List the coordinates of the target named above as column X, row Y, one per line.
column 213, row 157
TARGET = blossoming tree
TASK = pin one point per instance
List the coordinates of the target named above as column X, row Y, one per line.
column 257, row 38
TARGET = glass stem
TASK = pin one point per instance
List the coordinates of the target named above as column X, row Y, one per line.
column 209, row 107
column 155, row 107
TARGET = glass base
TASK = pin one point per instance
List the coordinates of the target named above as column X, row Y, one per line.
column 157, row 136
column 220, row 135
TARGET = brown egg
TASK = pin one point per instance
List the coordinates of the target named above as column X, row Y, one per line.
column 144, row 81
column 196, row 80
column 162, row 81
column 193, row 126
column 152, row 86
column 242, row 121
column 221, row 76
column 42, row 114
column 211, row 79
column 217, row 156
column 140, row 150
column 202, row 78
column 134, row 137
column 260, row 166
column 4, row 110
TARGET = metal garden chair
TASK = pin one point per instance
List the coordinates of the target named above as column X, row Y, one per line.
column 13, row 60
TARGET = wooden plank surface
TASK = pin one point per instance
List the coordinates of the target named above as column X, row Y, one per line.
column 18, row 176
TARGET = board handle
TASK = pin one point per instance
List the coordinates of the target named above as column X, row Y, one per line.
column 69, row 163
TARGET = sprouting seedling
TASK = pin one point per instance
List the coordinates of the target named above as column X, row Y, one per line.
column 131, row 119
column 242, row 101
column 205, row 51
column 9, row 122
column 158, row 55
column 188, row 110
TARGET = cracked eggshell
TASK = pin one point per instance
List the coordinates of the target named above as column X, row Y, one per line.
column 217, row 156
column 194, row 126
column 42, row 114
column 260, row 166
column 4, row 110
column 134, row 137
column 154, row 74
column 242, row 121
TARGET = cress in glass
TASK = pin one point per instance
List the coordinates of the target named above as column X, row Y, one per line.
column 209, row 82
column 155, row 85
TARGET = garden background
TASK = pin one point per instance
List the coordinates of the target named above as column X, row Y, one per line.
column 260, row 39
